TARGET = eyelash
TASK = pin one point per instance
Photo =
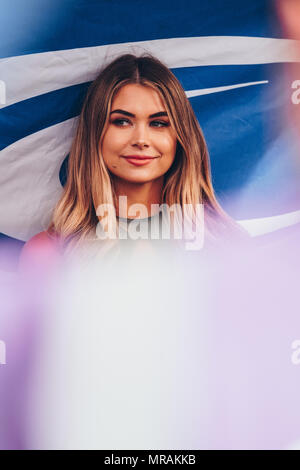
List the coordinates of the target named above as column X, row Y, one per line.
column 117, row 122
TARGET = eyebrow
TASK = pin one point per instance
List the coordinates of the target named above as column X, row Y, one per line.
column 126, row 113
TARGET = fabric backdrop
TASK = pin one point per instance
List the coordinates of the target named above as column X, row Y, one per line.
column 230, row 57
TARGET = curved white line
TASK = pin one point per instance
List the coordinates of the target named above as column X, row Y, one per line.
column 34, row 74
column 29, row 179
column 263, row 225
column 207, row 91
column 2, row 92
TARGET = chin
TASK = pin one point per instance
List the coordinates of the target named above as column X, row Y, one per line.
column 140, row 178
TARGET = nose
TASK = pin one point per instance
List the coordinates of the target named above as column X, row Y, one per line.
column 140, row 137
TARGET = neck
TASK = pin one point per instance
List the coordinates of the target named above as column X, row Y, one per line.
column 145, row 194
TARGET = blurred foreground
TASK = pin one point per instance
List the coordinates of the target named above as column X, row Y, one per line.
column 155, row 349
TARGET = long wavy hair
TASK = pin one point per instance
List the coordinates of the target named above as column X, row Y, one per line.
column 89, row 182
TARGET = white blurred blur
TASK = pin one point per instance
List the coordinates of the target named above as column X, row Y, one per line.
column 156, row 348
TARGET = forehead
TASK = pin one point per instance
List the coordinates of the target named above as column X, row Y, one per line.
column 138, row 98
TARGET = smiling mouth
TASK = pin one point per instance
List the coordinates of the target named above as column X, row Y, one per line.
column 138, row 160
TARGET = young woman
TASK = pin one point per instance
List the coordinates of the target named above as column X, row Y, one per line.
column 137, row 137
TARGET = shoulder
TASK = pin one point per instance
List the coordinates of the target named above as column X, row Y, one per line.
column 42, row 242
column 40, row 250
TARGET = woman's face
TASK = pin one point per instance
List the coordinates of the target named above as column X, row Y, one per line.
column 139, row 144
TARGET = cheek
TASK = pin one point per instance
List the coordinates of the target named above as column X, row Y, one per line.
column 170, row 148
column 168, row 143
column 110, row 146
column 172, row 145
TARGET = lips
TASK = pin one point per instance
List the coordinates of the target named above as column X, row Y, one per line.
column 138, row 157
column 138, row 160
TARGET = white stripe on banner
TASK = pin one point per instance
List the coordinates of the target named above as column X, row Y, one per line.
column 207, row 91
column 34, row 74
column 261, row 226
column 29, row 179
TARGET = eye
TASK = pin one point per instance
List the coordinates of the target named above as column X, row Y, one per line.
column 119, row 122
column 122, row 122
column 160, row 123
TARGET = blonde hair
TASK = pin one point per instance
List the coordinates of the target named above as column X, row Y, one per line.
column 89, row 182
